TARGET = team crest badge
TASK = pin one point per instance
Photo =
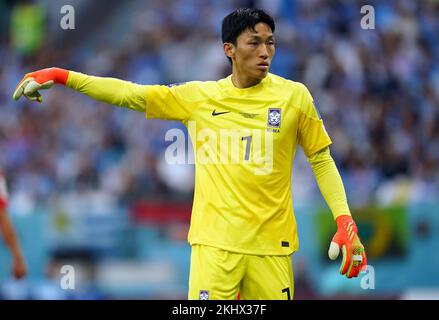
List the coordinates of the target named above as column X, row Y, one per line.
column 204, row 295
column 274, row 117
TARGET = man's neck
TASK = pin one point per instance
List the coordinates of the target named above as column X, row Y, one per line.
column 243, row 82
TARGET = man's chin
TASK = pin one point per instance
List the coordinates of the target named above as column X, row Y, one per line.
column 262, row 74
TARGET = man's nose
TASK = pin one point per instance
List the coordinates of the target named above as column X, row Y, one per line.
column 263, row 52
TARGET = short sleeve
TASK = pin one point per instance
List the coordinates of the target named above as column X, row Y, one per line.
column 173, row 102
column 3, row 192
column 311, row 130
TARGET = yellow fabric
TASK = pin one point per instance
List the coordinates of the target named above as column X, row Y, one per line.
column 242, row 199
column 221, row 274
column 268, row 278
column 247, row 206
column 110, row 90
column 329, row 182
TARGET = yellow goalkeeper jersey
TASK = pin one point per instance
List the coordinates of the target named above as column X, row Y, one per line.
column 244, row 142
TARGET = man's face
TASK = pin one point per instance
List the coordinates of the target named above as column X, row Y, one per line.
column 253, row 52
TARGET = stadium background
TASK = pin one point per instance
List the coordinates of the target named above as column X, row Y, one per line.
column 89, row 186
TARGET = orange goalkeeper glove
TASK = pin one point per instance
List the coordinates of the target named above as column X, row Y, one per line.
column 346, row 238
column 32, row 82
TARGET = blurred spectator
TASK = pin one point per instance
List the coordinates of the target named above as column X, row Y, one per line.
column 27, row 27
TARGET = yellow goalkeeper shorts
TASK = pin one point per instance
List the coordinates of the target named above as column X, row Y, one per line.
column 217, row 274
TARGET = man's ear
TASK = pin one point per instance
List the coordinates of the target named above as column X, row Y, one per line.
column 229, row 49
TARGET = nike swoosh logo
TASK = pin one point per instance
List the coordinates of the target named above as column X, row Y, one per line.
column 214, row 113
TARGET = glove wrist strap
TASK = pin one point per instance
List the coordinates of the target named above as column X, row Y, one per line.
column 60, row 75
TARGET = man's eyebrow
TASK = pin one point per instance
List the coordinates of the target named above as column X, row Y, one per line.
column 254, row 36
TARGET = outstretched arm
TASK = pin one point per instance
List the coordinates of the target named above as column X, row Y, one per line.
column 19, row 269
column 109, row 90
column 346, row 238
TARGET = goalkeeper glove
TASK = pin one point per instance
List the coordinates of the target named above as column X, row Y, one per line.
column 346, row 238
column 32, row 82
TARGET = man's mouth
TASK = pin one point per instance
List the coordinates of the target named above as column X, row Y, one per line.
column 263, row 66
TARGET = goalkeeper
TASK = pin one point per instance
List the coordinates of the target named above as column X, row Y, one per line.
column 243, row 230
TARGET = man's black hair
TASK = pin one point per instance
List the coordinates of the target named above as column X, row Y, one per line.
column 242, row 19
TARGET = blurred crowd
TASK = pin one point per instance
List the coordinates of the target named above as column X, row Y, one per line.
column 377, row 91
